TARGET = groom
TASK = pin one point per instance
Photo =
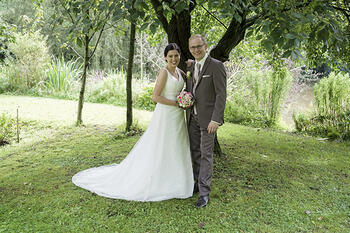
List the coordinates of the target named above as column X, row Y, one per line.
column 208, row 86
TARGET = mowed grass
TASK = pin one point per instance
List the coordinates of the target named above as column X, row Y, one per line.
column 267, row 181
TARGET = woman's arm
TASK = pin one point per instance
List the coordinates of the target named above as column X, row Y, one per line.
column 160, row 83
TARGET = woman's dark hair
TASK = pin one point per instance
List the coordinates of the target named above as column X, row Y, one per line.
column 171, row 46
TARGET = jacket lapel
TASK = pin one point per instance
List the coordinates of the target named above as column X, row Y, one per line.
column 191, row 80
column 205, row 66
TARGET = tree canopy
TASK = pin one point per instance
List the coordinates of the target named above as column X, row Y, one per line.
column 284, row 27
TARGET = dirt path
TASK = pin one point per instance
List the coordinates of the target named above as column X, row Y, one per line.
column 64, row 112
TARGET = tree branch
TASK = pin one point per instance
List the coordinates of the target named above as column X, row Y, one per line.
column 98, row 40
column 249, row 22
column 256, row 2
column 344, row 11
column 79, row 55
column 157, row 6
column 192, row 5
column 212, row 15
column 69, row 14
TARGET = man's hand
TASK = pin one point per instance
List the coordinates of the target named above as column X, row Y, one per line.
column 189, row 62
column 213, row 127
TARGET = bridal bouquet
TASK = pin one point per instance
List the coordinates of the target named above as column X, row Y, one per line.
column 185, row 99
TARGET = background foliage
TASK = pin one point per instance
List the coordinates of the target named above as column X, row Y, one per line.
column 311, row 33
column 25, row 69
column 7, row 128
column 331, row 117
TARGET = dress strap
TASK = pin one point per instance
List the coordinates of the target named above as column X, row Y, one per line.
column 176, row 71
column 181, row 74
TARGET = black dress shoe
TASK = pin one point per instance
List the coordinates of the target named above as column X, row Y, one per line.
column 202, row 201
column 195, row 189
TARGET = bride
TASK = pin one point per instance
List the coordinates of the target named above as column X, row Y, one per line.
column 159, row 166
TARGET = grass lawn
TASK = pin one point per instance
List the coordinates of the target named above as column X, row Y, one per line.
column 267, row 181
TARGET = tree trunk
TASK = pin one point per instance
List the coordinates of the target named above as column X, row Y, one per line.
column 141, row 56
column 129, row 78
column 83, row 81
column 232, row 37
column 179, row 30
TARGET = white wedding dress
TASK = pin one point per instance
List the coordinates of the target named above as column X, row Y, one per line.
column 158, row 167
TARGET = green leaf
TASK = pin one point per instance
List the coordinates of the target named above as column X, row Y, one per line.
column 249, row 33
column 141, row 5
column 117, row 14
column 296, row 15
column 180, row 6
column 238, row 18
column 280, row 41
column 312, row 35
column 290, row 35
column 267, row 44
column 252, row 8
column 144, row 26
column 323, row 34
column 79, row 42
column 153, row 27
column 298, row 53
column 266, row 28
column 297, row 43
column 288, row 44
column 259, row 37
column 286, row 54
column 276, row 33
column 166, row 6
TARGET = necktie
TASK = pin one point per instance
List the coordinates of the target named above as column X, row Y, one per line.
column 197, row 71
column 196, row 77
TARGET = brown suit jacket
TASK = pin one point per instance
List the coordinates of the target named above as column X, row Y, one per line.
column 210, row 94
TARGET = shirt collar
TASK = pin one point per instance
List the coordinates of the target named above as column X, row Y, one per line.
column 203, row 60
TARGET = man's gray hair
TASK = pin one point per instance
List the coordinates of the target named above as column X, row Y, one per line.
column 198, row 36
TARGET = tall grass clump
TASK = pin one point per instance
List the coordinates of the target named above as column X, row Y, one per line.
column 107, row 88
column 110, row 88
column 331, row 117
column 4, row 81
column 144, row 98
column 61, row 74
column 255, row 97
column 7, row 128
column 25, row 70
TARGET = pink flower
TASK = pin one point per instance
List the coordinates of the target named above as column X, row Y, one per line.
column 185, row 99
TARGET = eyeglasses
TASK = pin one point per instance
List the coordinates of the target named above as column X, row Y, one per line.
column 196, row 47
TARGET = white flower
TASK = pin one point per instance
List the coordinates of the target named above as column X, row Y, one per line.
column 188, row 75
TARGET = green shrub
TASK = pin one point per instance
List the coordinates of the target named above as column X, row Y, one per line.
column 332, row 94
column 255, row 98
column 25, row 71
column 331, row 118
column 280, row 81
column 7, row 128
column 110, row 89
column 60, row 75
column 245, row 114
column 144, row 99
column 4, row 81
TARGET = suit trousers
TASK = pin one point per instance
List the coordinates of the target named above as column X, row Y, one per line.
column 202, row 150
